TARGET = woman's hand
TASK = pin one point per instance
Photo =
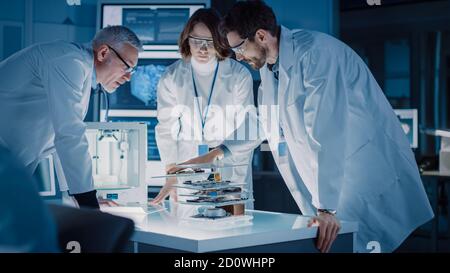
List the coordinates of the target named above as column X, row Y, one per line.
column 204, row 159
column 166, row 190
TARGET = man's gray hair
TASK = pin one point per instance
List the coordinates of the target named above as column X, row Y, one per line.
column 116, row 36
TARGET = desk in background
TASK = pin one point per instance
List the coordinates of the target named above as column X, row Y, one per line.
column 437, row 179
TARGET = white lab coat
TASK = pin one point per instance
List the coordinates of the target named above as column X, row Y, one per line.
column 344, row 140
column 178, row 132
column 44, row 97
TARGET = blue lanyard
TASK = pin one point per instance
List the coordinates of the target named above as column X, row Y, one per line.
column 209, row 99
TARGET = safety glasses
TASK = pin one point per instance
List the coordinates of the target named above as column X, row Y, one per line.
column 129, row 69
column 239, row 49
column 198, row 43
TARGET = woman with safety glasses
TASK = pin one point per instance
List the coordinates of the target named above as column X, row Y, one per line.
column 202, row 99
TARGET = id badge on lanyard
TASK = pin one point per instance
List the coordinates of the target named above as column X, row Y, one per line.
column 203, row 149
column 282, row 149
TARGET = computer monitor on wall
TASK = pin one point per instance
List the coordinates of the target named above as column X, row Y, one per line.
column 140, row 92
column 157, row 25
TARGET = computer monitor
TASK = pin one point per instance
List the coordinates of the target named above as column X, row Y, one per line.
column 140, row 92
column 45, row 177
column 409, row 121
column 158, row 26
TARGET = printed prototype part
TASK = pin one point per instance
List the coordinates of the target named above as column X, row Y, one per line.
column 208, row 186
column 236, row 209
column 214, row 212
column 217, row 177
column 214, row 165
column 215, row 203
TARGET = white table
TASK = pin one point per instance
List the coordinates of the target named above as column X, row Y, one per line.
column 163, row 231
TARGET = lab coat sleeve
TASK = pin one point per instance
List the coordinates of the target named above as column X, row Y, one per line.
column 168, row 125
column 324, row 113
column 65, row 78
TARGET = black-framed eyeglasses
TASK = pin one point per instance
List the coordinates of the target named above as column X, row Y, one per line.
column 129, row 69
column 239, row 49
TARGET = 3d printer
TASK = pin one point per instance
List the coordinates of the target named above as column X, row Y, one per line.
column 119, row 154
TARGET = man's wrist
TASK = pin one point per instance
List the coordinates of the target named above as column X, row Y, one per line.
column 170, row 166
column 218, row 153
column 224, row 150
column 326, row 211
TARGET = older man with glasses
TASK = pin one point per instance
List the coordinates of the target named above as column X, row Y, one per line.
column 44, row 98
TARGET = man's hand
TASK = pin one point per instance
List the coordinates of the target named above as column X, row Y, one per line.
column 207, row 158
column 107, row 202
column 329, row 227
column 166, row 190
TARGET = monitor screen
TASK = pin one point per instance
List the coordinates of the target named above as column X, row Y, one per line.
column 409, row 120
column 152, row 148
column 158, row 26
column 44, row 175
column 140, row 92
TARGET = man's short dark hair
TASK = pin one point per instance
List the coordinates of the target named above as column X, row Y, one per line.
column 246, row 17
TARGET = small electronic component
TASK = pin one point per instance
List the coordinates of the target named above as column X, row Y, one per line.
column 217, row 177
column 190, row 171
column 216, row 192
column 205, row 183
column 219, row 199
column 214, row 212
column 235, row 209
column 211, row 213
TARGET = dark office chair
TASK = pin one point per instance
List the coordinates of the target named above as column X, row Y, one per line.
column 28, row 225
column 92, row 230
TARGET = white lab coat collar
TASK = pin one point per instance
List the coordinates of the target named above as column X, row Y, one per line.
column 224, row 68
column 89, row 51
column 204, row 68
column 94, row 83
column 286, row 50
column 286, row 58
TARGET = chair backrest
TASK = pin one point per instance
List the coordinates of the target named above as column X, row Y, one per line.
column 26, row 224
column 91, row 231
